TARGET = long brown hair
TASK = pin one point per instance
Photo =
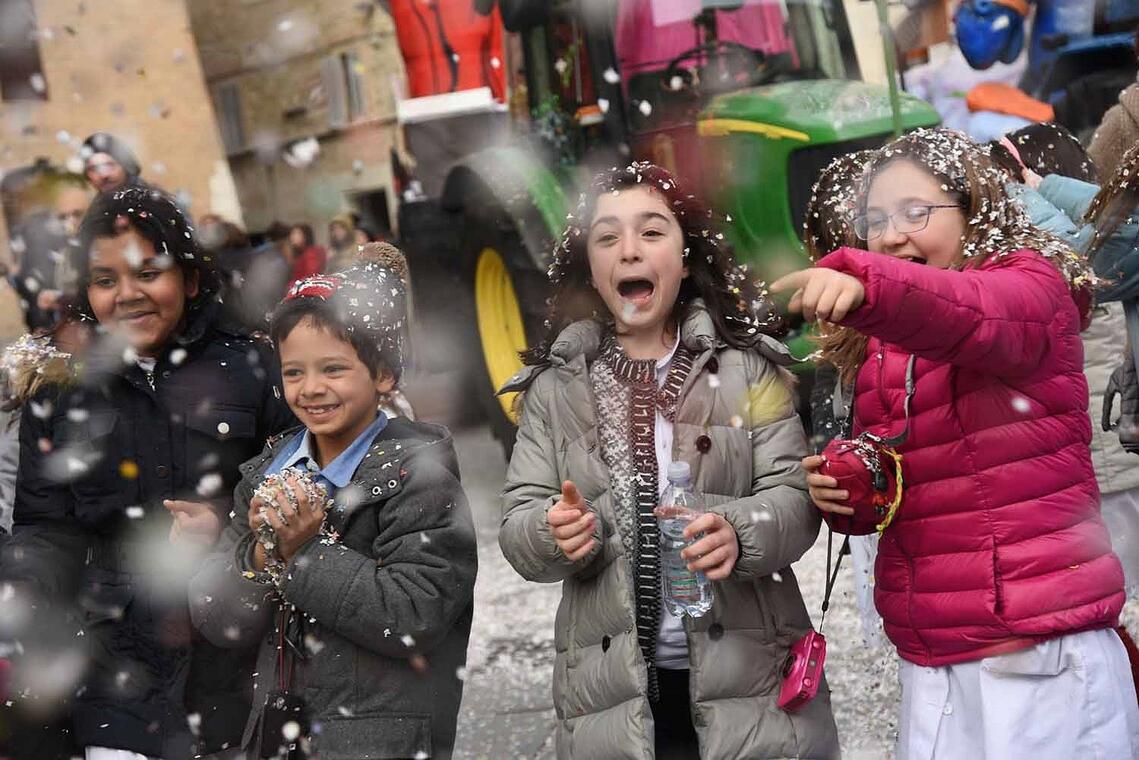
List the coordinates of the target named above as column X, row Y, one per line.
column 736, row 302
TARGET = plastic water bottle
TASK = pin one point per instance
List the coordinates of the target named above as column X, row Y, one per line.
column 684, row 592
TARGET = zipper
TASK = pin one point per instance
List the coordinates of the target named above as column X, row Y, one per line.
column 150, row 379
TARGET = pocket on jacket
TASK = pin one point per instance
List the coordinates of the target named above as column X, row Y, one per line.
column 373, row 735
column 105, row 598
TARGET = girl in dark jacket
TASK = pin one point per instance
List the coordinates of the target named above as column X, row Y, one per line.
column 127, row 470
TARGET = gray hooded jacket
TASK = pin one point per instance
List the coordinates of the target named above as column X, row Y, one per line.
column 744, row 442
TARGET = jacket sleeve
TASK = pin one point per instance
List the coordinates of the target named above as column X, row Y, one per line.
column 1048, row 217
column 1116, row 263
column 9, row 464
column 777, row 524
column 1069, row 195
column 48, row 548
column 996, row 320
column 229, row 602
column 533, row 485
column 418, row 580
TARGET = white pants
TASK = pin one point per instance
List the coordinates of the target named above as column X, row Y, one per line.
column 1120, row 512
column 103, row 753
column 1070, row 698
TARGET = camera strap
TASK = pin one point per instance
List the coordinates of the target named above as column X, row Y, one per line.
column 832, row 576
column 843, row 408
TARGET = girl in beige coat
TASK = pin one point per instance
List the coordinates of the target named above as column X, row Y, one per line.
column 654, row 352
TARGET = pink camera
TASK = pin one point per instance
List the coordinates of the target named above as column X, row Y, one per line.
column 803, row 671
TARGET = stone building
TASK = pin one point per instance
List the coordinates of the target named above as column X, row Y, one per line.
column 304, row 92
column 129, row 67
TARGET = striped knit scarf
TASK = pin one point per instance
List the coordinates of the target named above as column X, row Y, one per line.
column 627, row 400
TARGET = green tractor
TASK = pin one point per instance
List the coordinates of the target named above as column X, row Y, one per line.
column 745, row 103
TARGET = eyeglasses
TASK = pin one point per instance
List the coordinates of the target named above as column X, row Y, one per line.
column 913, row 218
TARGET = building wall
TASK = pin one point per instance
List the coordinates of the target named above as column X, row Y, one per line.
column 129, row 67
column 282, row 57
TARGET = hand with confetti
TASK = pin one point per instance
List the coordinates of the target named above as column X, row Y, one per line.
column 296, row 513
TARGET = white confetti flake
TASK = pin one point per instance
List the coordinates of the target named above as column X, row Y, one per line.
column 38, row 83
column 210, row 484
column 1020, row 404
column 645, row 107
column 136, row 512
column 177, row 356
column 291, row 730
column 611, row 76
column 407, row 640
column 603, row 105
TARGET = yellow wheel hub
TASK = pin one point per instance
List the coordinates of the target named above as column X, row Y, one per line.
column 501, row 329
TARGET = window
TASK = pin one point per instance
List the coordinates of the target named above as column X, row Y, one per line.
column 21, row 70
column 355, row 84
column 343, row 88
column 227, row 104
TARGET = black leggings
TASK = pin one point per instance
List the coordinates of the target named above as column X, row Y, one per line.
column 674, row 733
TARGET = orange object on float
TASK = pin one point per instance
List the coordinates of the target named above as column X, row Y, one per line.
column 1004, row 98
column 448, row 46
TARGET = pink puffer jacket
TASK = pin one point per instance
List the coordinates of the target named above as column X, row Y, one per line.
column 998, row 543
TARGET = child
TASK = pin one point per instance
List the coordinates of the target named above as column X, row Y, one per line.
column 140, row 450
column 362, row 603
column 653, row 353
column 996, row 579
column 828, row 226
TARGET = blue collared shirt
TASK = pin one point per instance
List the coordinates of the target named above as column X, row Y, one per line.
column 298, row 453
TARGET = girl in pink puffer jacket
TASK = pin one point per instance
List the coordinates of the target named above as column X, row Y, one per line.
column 996, row 580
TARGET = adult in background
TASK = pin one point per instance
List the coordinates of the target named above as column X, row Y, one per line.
column 308, row 258
column 341, row 242
column 108, row 163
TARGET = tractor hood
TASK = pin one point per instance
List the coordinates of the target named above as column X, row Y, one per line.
column 813, row 111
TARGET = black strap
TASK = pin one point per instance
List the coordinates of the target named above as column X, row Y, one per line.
column 832, row 576
column 900, row 438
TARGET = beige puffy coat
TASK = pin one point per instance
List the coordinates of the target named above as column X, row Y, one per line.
column 744, row 442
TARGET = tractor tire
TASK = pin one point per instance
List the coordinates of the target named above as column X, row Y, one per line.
column 509, row 296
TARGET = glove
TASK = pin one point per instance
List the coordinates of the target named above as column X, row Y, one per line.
column 1124, row 382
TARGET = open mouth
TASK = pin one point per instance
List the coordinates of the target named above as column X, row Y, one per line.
column 913, row 259
column 635, row 289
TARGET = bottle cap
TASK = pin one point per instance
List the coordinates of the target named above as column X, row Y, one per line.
column 679, row 472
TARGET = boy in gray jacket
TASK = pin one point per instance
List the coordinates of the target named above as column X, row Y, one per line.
column 351, row 554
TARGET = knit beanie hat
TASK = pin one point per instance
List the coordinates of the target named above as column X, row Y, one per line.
column 370, row 298
column 1117, row 133
column 104, row 142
